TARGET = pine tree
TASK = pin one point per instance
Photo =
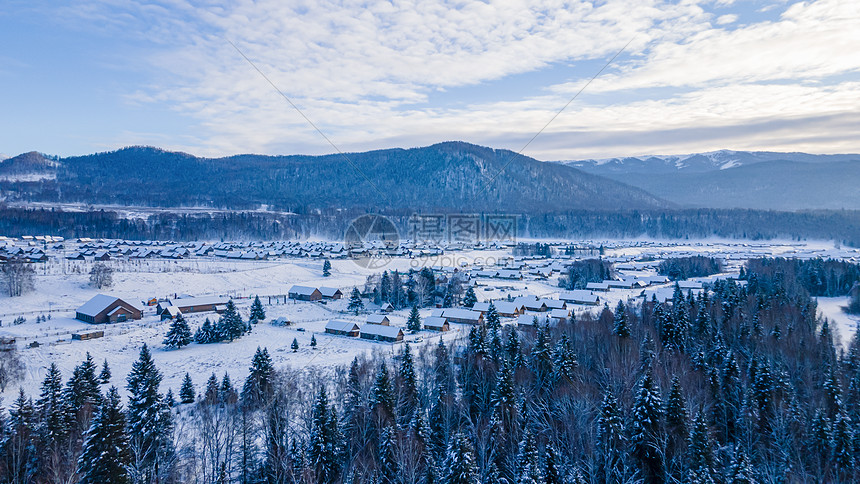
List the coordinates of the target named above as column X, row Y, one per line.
column 470, row 298
column 104, row 376
column 211, row 395
column 206, row 334
column 295, row 345
column 313, row 341
column 842, row 443
column 676, row 411
column 460, row 466
column 564, row 359
column 326, row 268
column 150, row 422
column 20, row 446
column 383, row 393
column 82, row 396
column 226, row 393
column 645, row 429
column 528, row 464
column 169, row 399
column 179, row 334
column 258, row 386
column 230, row 325
column 610, row 437
column 408, row 404
column 106, row 455
column 186, row 391
column 258, row 314
column 622, row 326
column 740, row 471
column 355, row 303
column 700, row 448
column 388, row 465
column 551, row 470
column 323, row 444
column 414, row 321
column 51, row 410
column 493, row 322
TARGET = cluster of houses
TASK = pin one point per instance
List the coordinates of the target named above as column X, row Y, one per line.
column 377, row 327
column 309, row 293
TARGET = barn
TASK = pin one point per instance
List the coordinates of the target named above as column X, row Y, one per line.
column 305, row 293
column 465, row 316
column 378, row 332
column 331, row 293
column 342, row 328
column 378, row 319
column 107, row 309
column 436, row 323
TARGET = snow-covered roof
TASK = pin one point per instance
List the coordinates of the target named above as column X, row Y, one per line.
column 435, row 321
column 328, row 291
column 578, row 296
column 303, row 290
column 341, row 325
column 458, row 313
column 380, row 330
column 185, row 302
column 377, row 318
column 97, row 304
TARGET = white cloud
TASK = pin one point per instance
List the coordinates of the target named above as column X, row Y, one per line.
column 359, row 69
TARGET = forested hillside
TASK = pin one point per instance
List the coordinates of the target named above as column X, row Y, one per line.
column 445, row 177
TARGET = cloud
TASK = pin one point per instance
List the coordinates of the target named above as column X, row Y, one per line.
column 365, row 73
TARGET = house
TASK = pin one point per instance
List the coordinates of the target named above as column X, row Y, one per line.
column 107, row 309
column 170, row 312
column 527, row 321
column 386, row 307
column 504, row 308
column 378, row 319
column 281, row 321
column 378, row 332
column 559, row 315
column 330, row 293
column 687, row 285
column 509, row 274
column 194, row 304
column 464, row 316
column 580, row 296
column 554, row 304
column 101, row 255
column 436, row 323
column 342, row 328
column 87, row 335
column 597, row 286
column 305, row 293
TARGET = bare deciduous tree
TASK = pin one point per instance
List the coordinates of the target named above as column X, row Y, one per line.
column 18, row 276
column 101, row 275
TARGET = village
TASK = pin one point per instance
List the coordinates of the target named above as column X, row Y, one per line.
column 308, row 292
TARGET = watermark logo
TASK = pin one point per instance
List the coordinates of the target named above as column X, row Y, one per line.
column 372, row 241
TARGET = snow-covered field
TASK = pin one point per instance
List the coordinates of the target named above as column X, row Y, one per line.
column 62, row 286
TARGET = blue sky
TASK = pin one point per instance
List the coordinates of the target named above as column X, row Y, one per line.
column 97, row 75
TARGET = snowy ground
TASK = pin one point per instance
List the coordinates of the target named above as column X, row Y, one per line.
column 63, row 286
column 832, row 308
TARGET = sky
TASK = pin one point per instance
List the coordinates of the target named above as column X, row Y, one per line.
column 677, row 77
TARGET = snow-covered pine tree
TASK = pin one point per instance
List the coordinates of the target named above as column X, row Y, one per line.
column 646, row 429
column 104, row 376
column 387, row 460
column 622, row 325
column 740, row 471
column 210, row 395
column 169, row 399
column 700, row 448
column 186, row 391
column 528, row 463
column 414, row 321
column 460, row 466
column 408, row 385
column 258, row 386
column 676, row 412
column 323, row 453
column 206, row 333
column 492, row 320
column 564, row 360
column 258, row 313
column 356, row 305
column 295, row 345
column 227, row 393
column 230, row 325
column 106, row 456
column 179, row 334
column 383, row 394
column 82, row 396
column 610, row 438
column 470, row 298
column 313, row 342
column 842, row 443
column 326, row 268
column 53, row 425
column 149, row 420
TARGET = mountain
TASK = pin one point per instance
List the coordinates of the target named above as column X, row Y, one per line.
column 740, row 179
column 446, row 177
column 697, row 162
